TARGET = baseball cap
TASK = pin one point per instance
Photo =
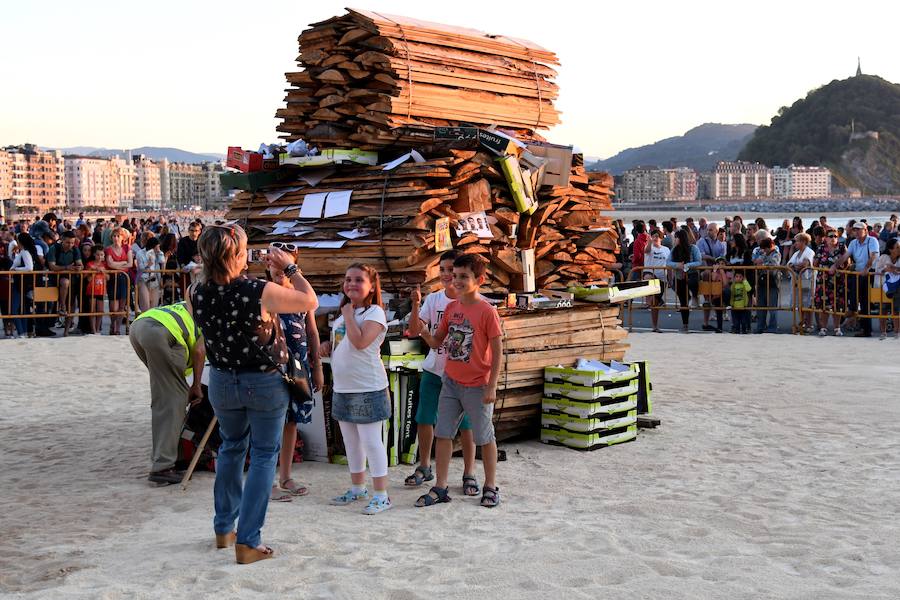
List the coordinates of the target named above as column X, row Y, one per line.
column 859, row 226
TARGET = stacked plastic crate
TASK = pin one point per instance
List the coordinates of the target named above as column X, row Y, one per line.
column 586, row 407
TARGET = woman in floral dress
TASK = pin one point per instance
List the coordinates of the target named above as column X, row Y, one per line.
column 831, row 295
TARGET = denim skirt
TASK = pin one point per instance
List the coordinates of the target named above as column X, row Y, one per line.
column 361, row 407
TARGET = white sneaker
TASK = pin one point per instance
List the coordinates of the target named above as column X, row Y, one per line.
column 823, row 332
column 838, row 332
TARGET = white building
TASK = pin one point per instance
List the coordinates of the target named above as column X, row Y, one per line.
column 741, row 180
column 799, row 183
column 147, row 184
column 99, row 183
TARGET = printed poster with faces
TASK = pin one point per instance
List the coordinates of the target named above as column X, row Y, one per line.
column 475, row 222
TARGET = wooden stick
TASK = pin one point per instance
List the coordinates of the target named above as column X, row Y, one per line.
column 197, row 453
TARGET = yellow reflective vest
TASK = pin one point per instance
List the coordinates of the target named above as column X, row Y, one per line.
column 179, row 322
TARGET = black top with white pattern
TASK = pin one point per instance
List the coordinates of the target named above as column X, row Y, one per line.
column 224, row 312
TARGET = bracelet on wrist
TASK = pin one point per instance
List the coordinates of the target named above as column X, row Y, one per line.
column 291, row 270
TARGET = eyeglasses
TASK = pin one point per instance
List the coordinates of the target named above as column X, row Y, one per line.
column 286, row 246
column 831, row 235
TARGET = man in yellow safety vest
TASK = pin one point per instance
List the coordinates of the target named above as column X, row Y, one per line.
column 168, row 342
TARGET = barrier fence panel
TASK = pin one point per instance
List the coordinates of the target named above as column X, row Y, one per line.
column 841, row 295
column 772, row 289
column 159, row 287
column 34, row 300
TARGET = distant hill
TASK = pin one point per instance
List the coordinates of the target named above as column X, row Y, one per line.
column 816, row 131
column 700, row 148
column 151, row 152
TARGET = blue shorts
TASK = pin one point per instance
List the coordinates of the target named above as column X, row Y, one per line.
column 361, row 407
column 429, row 393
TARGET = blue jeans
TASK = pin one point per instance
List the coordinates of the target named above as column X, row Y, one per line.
column 22, row 305
column 250, row 407
column 767, row 295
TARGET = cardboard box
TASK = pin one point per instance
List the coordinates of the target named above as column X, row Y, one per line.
column 621, row 292
column 500, row 143
column 587, row 441
column 588, row 377
column 252, row 182
column 589, row 393
column 587, row 410
column 304, row 161
column 596, row 424
column 245, row 161
column 513, row 173
column 458, row 134
column 559, row 162
column 355, row 155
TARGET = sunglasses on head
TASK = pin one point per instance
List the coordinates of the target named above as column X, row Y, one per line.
column 286, row 246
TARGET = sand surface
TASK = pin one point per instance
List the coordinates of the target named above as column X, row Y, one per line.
column 747, row 490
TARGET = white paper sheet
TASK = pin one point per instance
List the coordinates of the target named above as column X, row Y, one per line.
column 275, row 210
column 402, row 159
column 273, row 196
column 315, row 176
column 312, row 206
column 337, row 203
column 352, row 234
column 323, row 244
column 285, row 224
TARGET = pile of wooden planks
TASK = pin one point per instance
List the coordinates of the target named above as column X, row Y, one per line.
column 533, row 340
column 394, row 213
column 371, row 80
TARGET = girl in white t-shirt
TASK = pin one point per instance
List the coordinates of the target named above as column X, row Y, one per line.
column 361, row 402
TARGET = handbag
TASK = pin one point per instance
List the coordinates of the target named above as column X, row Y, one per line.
column 294, row 373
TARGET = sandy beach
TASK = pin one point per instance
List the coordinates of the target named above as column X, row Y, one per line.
column 747, row 490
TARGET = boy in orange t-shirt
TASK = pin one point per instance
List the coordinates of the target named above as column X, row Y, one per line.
column 474, row 348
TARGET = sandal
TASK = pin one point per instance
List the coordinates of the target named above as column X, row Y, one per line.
column 490, row 497
column 225, row 540
column 278, row 495
column 419, row 476
column 294, row 488
column 470, row 485
column 245, row 554
column 434, row 496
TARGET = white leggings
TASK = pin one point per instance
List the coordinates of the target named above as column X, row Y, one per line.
column 362, row 441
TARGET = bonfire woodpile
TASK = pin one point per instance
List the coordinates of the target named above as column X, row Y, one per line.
column 465, row 109
column 372, row 80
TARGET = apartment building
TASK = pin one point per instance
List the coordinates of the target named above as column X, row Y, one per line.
column 5, row 175
column 35, row 179
column 800, row 183
column 741, row 180
column 650, row 184
column 148, row 184
column 94, row 183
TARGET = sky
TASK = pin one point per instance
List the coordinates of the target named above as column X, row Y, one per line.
column 203, row 75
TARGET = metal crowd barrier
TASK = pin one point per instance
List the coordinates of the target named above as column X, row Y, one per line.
column 852, row 294
column 714, row 290
column 35, row 295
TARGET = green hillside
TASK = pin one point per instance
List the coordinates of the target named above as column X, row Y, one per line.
column 816, row 131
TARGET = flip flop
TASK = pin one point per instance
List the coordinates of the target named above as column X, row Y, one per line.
column 294, row 489
column 279, row 496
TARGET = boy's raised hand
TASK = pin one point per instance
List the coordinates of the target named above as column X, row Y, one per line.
column 415, row 296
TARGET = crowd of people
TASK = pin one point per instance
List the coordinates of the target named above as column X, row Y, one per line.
column 245, row 333
column 829, row 271
column 116, row 267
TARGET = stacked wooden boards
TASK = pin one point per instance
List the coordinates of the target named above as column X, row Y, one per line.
column 370, row 80
column 533, row 340
column 396, row 211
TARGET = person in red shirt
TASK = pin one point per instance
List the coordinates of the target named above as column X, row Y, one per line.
column 474, row 349
column 641, row 239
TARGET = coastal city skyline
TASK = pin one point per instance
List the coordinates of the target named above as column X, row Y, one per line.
column 158, row 81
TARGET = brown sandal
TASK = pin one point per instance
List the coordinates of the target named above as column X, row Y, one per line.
column 295, row 489
column 245, row 554
column 225, row 540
